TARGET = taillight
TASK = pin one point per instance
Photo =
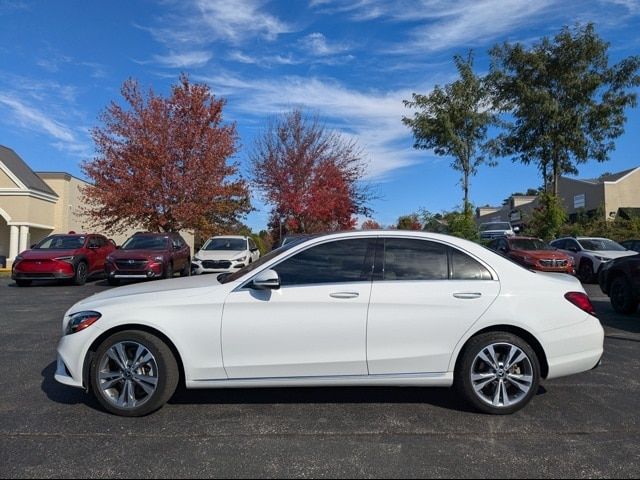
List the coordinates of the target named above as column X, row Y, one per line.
column 581, row 300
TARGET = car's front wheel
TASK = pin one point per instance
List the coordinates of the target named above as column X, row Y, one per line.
column 498, row 373
column 585, row 271
column 133, row 373
column 622, row 298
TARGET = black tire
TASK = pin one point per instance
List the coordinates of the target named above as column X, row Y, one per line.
column 622, row 297
column 168, row 374
column 81, row 273
column 168, row 271
column 114, row 282
column 23, row 283
column 186, row 271
column 464, row 368
column 585, row 271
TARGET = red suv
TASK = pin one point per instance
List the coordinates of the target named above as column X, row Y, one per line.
column 63, row 257
column 147, row 256
column 534, row 253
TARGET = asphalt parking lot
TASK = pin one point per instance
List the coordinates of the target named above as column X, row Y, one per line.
column 582, row 426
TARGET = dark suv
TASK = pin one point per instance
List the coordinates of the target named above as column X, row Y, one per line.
column 148, row 256
column 620, row 280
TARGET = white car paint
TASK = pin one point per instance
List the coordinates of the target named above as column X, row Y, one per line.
column 366, row 333
column 596, row 257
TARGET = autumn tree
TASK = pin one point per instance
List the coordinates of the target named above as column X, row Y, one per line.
column 370, row 224
column 164, row 163
column 453, row 121
column 409, row 222
column 310, row 176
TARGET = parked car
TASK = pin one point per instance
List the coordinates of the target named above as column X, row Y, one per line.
column 633, row 245
column 146, row 256
column 534, row 253
column 492, row 230
column 590, row 253
column 620, row 280
column 63, row 257
column 224, row 254
column 348, row 309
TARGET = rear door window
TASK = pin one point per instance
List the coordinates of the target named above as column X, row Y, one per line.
column 463, row 267
column 411, row 259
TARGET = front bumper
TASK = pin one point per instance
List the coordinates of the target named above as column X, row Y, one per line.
column 198, row 269
column 57, row 270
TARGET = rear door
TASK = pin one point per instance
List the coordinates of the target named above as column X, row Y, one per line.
column 425, row 296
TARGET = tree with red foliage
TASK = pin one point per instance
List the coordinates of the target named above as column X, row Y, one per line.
column 409, row 222
column 164, row 163
column 370, row 225
column 310, row 176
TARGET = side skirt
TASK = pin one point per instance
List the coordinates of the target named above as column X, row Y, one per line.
column 405, row 380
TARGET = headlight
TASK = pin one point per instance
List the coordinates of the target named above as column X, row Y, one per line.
column 158, row 259
column 69, row 259
column 18, row 259
column 240, row 259
column 110, row 259
column 81, row 320
column 197, row 259
column 529, row 260
column 602, row 259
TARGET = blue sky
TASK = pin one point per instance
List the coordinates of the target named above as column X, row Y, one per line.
column 351, row 62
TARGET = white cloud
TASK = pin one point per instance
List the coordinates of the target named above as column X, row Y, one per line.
column 316, row 44
column 34, row 119
column 202, row 22
column 373, row 118
column 193, row 59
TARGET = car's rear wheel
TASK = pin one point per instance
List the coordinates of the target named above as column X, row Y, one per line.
column 585, row 271
column 622, row 298
column 23, row 283
column 498, row 373
column 81, row 274
column 133, row 373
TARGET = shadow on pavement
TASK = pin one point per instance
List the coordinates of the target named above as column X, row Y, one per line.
column 609, row 318
column 59, row 393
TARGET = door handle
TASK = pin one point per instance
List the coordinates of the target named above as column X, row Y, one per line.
column 344, row 295
column 467, row 295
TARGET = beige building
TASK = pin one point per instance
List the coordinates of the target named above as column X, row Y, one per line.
column 35, row 205
column 617, row 194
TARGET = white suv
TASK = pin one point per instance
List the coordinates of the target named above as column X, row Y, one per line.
column 225, row 254
column 590, row 253
column 491, row 230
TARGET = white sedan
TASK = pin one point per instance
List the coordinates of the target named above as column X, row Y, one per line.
column 358, row 308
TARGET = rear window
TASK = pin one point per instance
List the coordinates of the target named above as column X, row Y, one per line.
column 495, row 226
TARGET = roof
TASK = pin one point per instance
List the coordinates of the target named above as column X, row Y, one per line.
column 21, row 170
column 611, row 177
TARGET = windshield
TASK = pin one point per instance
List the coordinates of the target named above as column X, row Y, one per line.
column 530, row 244
column 145, row 242
column 601, row 244
column 226, row 278
column 495, row 226
column 58, row 242
column 228, row 244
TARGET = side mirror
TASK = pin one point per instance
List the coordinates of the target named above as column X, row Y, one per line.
column 516, row 229
column 266, row 280
column 118, row 247
column 502, row 249
column 33, row 246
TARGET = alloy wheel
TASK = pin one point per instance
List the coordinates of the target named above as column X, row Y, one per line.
column 502, row 375
column 128, row 375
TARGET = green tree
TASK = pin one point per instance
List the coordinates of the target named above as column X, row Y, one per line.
column 548, row 219
column 409, row 222
column 453, row 121
column 566, row 104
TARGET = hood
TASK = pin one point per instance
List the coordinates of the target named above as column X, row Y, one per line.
column 134, row 254
column 179, row 285
column 541, row 254
column 36, row 254
column 612, row 253
column 219, row 254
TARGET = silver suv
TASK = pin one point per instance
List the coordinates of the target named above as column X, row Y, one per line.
column 590, row 253
column 491, row 230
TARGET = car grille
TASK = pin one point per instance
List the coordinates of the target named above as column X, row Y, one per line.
column 492, row 235
column 553, row 263
column 216, row 264
column 131, row 264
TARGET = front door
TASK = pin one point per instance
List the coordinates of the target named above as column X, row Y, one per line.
column 314, row 325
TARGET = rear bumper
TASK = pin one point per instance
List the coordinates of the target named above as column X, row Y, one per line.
column 574, row 349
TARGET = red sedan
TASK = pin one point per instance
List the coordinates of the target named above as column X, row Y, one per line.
column 63, row 257
column 534, row 253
